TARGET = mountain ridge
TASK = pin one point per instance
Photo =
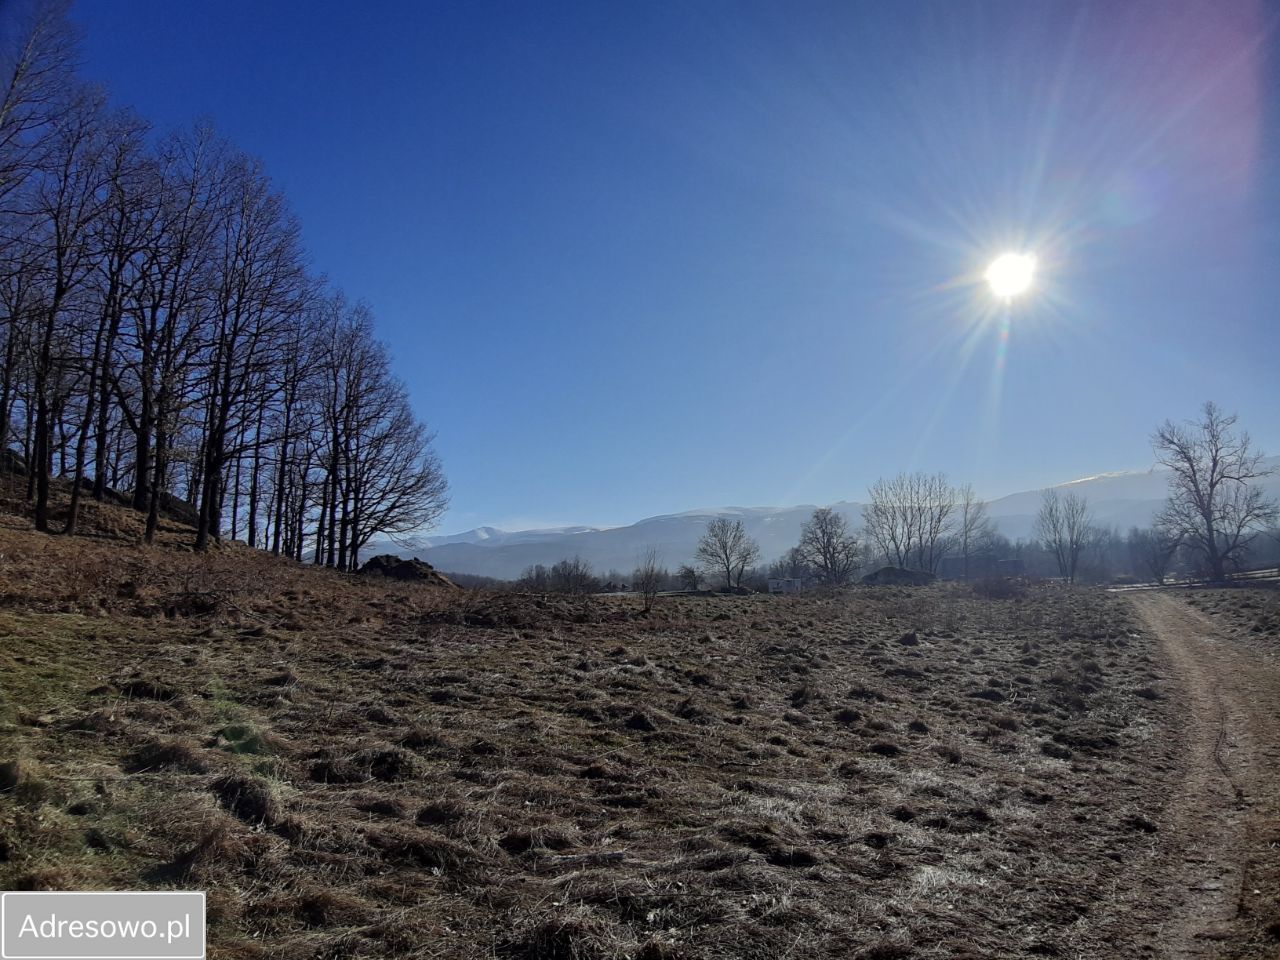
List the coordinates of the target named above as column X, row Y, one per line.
column 1117, row 499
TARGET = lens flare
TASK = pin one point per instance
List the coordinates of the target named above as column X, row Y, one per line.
column 1011, row 274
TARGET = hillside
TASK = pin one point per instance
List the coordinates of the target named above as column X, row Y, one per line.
column 1119, row 500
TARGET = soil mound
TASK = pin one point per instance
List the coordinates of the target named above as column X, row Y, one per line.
column 398, row 568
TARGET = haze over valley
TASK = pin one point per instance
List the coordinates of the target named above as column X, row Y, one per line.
column 1118, row 500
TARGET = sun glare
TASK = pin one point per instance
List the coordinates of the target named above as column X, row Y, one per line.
column 1011, row 274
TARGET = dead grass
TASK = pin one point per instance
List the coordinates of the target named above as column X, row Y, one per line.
column 355, row 769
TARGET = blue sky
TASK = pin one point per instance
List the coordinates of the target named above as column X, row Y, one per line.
column 634, row 258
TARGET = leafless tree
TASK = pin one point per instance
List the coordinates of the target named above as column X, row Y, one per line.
column 792, row 565
column 37, row 60
column 159, row 330
column 120, row 235
column 535, row 579
column 649, row 576
column 689, row 576
column 1152, row 549
column 67, row 200
column 1064, row 526
column 911, row 519
column 829, row 546
column 258, row 284
column 973, row 526
column 158, row 384
column 727, row 550
column 1215, row 504
column 573, row 576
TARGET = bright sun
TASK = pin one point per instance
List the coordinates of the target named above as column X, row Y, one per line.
column 1010, row 274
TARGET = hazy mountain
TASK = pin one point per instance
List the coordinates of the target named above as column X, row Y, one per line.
column 493, row 537
column 1117, row 499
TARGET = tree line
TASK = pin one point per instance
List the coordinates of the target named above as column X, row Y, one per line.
column 1210, row 524
column 163, row 336
column 1216, row 520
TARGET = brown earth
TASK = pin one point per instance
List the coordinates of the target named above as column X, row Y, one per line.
column 1218, row 855
column 374, row 769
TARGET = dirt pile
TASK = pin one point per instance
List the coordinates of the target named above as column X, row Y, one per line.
column 410, row 571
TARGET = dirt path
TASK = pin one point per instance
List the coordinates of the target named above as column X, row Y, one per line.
column 1218, row 858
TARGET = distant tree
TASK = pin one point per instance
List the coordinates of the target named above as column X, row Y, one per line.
column 649, row 576
column 1103, row 555
column 911, row 519
column 535, row 579
column 1064, row 526
column 1151, row 551
column 973, row 526
column 792, row 565
column 725, row 549
column 572, row 576
column 829, row 546
column 689, row 577
column 1214, row 503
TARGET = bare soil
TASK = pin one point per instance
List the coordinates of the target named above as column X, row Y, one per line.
column 1218, row 854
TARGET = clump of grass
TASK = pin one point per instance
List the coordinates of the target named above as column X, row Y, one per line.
column 424, row 738
column 1056, row 750
column 441, row 813
column 380, row 805
column 949, row 752
column 577, row 935
column 144, row 688
column 246, row 737
column 325, row 906
column 386, row 763
column 221, row 849
column 167, row 754
column 23, row 779
column 423, row 847
column 251, row 799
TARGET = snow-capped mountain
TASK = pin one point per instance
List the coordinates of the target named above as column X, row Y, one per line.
column 1116, row 499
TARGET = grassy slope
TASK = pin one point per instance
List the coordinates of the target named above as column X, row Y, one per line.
column 354, row 769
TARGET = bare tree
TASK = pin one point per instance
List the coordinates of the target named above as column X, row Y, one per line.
column 67, row 200
column 725, row 549
column 911, row 519
column 649, row 576
column 1151, row 550
column 1214, row 503
column 689, row 576
column 829, row 546
column 792, row 565
column 1064, row 526
column 535, row 579
column 119, row 236
column 573, row 576
column 258, row 284
column 158, row 329
column 37, row 58
column 973, row 526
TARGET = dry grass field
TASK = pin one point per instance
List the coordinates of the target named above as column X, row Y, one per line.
column 357, row 769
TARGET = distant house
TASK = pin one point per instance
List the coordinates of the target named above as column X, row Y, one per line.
column 786, row 585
